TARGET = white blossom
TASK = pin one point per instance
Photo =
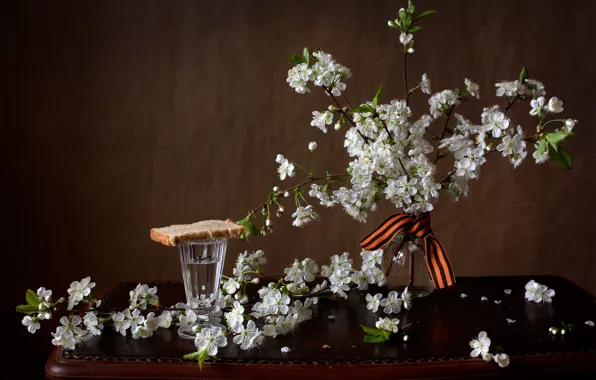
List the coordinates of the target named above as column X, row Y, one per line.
column 312, row 146
column 231, row 285
column 388, row 324
column 392, row 304
column 502, row 360
column 285, row 349
column 487, row 357
column 120, row 322
column 537, row 106
column 472, row 88
column 31, row 323
column 405, row 38
column 304, row 215
column 78, row 290
column 425, row 84
column 555, row 105
column 210, row 339
column 480, row 345
column 508, row 88
column 590, row 323
column 538, row 293
column 406, row 297
column 373, row 302
column 143, row 295
column 285, row 168
column 321, row 120
column 235, row 317
column 249, row 337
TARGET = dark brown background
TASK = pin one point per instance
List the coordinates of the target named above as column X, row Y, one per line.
column 122, row 116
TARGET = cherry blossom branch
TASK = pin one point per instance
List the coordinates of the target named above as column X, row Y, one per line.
column 307, row 182
column 449, row 112
column 341, row 109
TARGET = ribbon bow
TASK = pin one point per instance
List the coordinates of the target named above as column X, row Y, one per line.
column 437, row 261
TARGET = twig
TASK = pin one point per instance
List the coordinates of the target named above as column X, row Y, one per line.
column 309, row 181
column 406, row 78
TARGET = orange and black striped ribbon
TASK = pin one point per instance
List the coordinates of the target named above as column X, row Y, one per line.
column 437, row 261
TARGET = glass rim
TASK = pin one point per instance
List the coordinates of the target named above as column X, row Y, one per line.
column 203, row 242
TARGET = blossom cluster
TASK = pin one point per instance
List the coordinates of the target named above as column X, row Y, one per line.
column 392, row 304
column 394, row 149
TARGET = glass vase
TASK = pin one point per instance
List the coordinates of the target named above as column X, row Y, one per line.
column 202, row 266
column 404, row 266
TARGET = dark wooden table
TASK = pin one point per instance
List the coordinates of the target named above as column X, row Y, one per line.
column 442, row 326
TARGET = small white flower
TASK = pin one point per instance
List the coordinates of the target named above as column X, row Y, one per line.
column 231, row 285
column 510, row 321
column 304, row 215
column 537, row 106
column 31, row 323
column 285, row 169
column 165, row 319
column 507, row 291
column 463, row 295
column 321, row 120
column 405, row 38
column 472, row 88
column 249, row 337
column 120, row 322
column 483, row 298
column 388, row 324
column 590, row 323
column 312, row 146
column 285, row 349
column 392, row 304
column 487, row 357
column 497, row 302
column 502, row 360
column 78, row 290
column 410, row 50
column 569, row 124
column 210, row 339
column 480, row 345
column 538, row 293
column 44, row 294
column 406, row 297
column 555, row 105
column 373, row 302
column 425, row 84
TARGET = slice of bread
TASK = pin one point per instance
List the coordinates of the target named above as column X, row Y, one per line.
column 201, row 231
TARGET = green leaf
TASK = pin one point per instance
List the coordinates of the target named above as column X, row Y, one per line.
column 424, row 14
column 414, row 29
column 193, row 356
column 250, row 228
column 377, row 96
column 306, row 55
column 295, row 59
column 32, row 298
column 27, row 309
column 372, row 331
column 523, row 75
column 411, row 8
column 335, row 178
column 541, row 147
column 362, row 109
column 560, row 157
column 202, row 358
column 556, row 137
column 374, row 339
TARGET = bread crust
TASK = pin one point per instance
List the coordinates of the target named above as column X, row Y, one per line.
column 200, row 231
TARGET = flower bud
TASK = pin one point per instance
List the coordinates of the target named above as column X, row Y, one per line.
column 410, row 51
column 563, row 331
column 337, row 126
column 255, row 280
column 243, row 300
column 276, row 188
column 406, row 337
column 390, row 24
column 286, row 194
column 268, row 222
column 312, row 146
